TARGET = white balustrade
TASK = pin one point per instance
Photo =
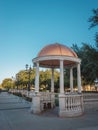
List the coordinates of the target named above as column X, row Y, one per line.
column 73, row 102
column 73, row 105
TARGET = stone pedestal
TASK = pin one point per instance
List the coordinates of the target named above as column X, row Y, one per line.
column 36, row 107
column 61, row 105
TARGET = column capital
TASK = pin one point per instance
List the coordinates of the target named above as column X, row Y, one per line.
column 79, row 63
column 35, row 63
column 61, row 60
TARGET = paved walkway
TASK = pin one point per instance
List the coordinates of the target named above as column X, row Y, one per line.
column 15, row 115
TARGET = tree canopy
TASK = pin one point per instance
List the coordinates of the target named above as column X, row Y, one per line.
column 94, row 19
column 94, row 22
column 89, row 64
column 8, row 83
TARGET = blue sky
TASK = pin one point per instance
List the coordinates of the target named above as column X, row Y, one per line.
column 26, row 26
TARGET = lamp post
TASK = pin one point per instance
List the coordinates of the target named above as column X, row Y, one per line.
column 12, row 83
column 28, row 69
column 17, row 79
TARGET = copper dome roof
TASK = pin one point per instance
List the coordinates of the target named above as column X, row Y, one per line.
column 56, row 50
column 50, row 56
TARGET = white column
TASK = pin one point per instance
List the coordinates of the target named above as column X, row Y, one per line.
column 61, row 77
column 71, row 79
column 52, row 80
column 37, row 78
column 79, row 78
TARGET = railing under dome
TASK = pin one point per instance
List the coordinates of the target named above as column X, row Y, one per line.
column 73, row 104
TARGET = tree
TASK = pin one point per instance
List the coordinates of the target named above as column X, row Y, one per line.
column 8, row 83
column 89, row 65
column 22, row 78
column 45, row 79
column 89, row 54
column 94, row 19
column 94, row 22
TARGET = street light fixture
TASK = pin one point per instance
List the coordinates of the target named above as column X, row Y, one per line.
column 28, row 69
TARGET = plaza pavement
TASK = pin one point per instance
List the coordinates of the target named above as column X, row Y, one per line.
column 15, row 115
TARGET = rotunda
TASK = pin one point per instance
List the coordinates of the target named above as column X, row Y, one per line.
column 58, row 56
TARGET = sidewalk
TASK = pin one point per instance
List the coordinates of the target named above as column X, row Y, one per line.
column 15, row 115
